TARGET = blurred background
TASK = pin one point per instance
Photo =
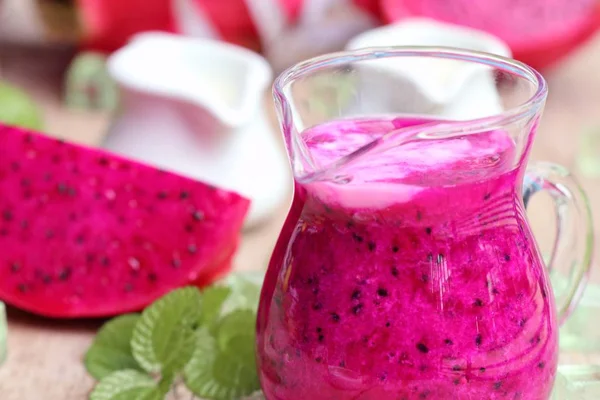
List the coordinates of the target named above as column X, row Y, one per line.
column 67, row 68
column 54, row 55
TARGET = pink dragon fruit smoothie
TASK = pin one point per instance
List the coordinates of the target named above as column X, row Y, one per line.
column 414, row 276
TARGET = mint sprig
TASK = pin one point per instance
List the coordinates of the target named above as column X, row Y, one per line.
column 224, row 374
column 203, row 338
column 111, row 351
column 212, row 303
column 127, row 385
column 232, row 325
column 165, row 336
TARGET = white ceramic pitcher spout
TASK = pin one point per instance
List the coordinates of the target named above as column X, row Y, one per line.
column 196, row 107
column 225, row 80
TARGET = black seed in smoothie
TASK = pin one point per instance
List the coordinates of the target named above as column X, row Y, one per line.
column 428, row 230
column 382, row 292
column 335, row 317
column 394, row 271
column 456, row 368
column 541, row 365
column 506, row 257
column 482, row 369
column 372, row 246
column 357, row 237
column 388, row 324
column 448, row 342
column 487, row 196
column 395, row 249
column 456, row 381
column 478, row 303
column 355, row 294
column 349, row 224
column 319, row 359
column 321, row 338
column 478, row 340
column 342, row 363
column 495, row 291
column 383, row 377
column 422, row 348
column 424, row 278
column 497, row 385
column 535, row 340
column 315, row 290
column 357, row 309
column 319, row 330
column 317, row 306
column 522, row 322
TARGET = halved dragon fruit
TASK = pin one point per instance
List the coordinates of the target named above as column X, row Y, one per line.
column 539, row 32
column 84, row 233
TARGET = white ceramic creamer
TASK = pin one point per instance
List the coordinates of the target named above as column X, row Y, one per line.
column 196, row 107
column 452, row 89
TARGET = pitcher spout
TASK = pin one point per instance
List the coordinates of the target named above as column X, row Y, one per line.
column 225, row 80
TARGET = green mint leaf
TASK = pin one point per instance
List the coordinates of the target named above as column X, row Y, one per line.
column 3, row 333
column 213, row 298
column 165, row 336
column 165, row 385
column 245, row 291
column 111, row 349
column 17, row 108
column 226, row 374
column 126, row 385
column 240, row 322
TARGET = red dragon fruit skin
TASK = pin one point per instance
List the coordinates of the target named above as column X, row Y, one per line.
column 84, row 233
column 108, row 24
column 539, row 32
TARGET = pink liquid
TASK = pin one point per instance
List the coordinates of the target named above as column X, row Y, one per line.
column 417, row 277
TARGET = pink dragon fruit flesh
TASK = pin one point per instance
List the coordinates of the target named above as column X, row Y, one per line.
column 84, row 233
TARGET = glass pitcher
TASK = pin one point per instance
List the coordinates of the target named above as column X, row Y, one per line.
column 406, row 268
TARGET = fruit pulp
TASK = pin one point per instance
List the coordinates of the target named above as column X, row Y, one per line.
column 412, row 275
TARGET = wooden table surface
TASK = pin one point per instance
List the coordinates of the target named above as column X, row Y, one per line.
column 44, row 361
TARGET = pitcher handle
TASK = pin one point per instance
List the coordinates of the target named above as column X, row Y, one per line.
column 575, row 235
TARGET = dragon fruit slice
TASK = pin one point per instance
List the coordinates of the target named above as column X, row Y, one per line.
column 539, row 32
column 84, row 233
